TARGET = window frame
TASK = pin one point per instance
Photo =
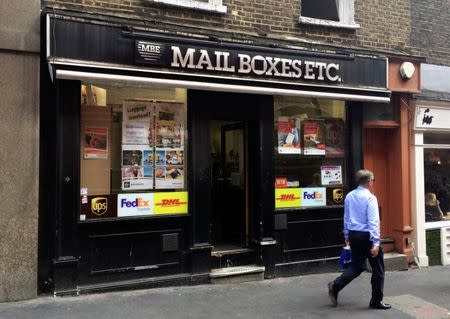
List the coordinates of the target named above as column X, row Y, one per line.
column 215, row 6
column 346, row 11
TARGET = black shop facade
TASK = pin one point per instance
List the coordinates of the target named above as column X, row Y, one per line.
column 173, row 160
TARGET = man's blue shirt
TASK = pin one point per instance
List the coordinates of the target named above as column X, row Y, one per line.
column 361, row 214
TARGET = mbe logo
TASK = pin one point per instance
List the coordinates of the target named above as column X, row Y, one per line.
column 149, row 52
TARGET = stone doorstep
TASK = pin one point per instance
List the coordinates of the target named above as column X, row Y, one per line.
column 393, row 261
column 237, row 274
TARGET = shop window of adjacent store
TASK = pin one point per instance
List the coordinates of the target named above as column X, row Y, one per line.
column 437, row 177
column 310, row 153
column 132, row 155
column 206, row 5
column 334, row 13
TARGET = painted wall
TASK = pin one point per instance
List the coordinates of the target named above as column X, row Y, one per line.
column 19, row 148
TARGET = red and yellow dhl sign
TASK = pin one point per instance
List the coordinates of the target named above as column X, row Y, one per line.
column 170, row 203
column 287, row 197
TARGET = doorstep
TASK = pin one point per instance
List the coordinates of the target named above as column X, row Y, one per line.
column 237, row 274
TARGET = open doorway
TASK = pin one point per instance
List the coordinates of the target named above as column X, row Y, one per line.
column 229, row 185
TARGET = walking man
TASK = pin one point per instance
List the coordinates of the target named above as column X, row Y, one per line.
column 362, row 232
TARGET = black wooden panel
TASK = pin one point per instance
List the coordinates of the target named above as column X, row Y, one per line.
column 280, row 221
column 169, row 242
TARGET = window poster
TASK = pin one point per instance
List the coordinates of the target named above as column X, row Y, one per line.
column 137, row 122
column 169, row 126
column 152, row 145
column 169, row 169
column 331, row 175
column 288, row 129
column 313, row 137
column 334, row 137
column 137, row 167
column 96, row 143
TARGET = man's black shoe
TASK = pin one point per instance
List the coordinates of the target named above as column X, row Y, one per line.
column 332, row 293
column 379, row 305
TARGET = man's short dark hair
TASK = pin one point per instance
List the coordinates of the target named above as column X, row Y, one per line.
column 364, row 176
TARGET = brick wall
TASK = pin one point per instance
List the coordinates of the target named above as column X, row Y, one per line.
column 385, row 24
column 430, row 30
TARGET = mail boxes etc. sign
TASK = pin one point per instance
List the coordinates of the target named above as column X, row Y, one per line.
column 308, row 197
column 134, row 205
column 256, row 63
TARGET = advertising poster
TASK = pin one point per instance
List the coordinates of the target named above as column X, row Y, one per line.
column 137, row 177
column 313, row 196
column 331, row 175
column 313, row 137
column 287, row 197
column 169, row 177
column 334, row 137
column 288, row 130
column 135, row 205
column 137, row 122
column 169, row 125
column 96, row 143
column 137, row 167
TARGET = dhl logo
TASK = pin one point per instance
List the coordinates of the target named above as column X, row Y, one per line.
column 99, row 205
column 170, row 203
column 287, row 197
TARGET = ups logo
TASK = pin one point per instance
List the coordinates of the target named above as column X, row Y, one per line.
column 99, row 205
column 338, row 195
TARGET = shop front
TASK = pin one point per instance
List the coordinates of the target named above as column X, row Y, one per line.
column 431, row 167
column 165, row 157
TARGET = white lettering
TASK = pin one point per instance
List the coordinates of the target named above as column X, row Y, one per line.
column 226, row 66
column 328, row 72
column 297, row 73
column 264, row 63
column 178, row 58
column 244, row 63
column 309, row 70
column 321, row 66
column 273, row 66
column 286, row 68
column 204, row 59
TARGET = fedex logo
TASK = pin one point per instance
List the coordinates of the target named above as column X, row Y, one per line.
column 314, row 195
column 138, row 202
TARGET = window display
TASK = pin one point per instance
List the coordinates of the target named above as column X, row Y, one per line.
column 133, row 149
column 310, row 168
column 437, row 184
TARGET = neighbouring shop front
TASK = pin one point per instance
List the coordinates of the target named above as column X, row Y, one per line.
column 164, row 157
column 431, row 166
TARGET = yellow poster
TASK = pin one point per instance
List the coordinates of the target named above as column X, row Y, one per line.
column 287, row 197
column 170, row 203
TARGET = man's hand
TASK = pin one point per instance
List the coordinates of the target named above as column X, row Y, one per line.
column 374, row 251
column 347, row 242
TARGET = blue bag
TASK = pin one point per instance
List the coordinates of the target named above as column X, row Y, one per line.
column 346, row 258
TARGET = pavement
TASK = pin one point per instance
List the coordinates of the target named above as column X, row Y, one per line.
column 416, row 293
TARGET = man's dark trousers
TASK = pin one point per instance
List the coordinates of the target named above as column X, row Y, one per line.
column 361, row 245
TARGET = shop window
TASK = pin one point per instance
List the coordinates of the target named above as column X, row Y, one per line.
column 310, row 153
column 207, row 5
column 335, row 13
column 133, row 151
column 437, row 184
column 436, row 138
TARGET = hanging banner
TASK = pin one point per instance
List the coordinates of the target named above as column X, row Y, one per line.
column 137, row 122
column 334, row 138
